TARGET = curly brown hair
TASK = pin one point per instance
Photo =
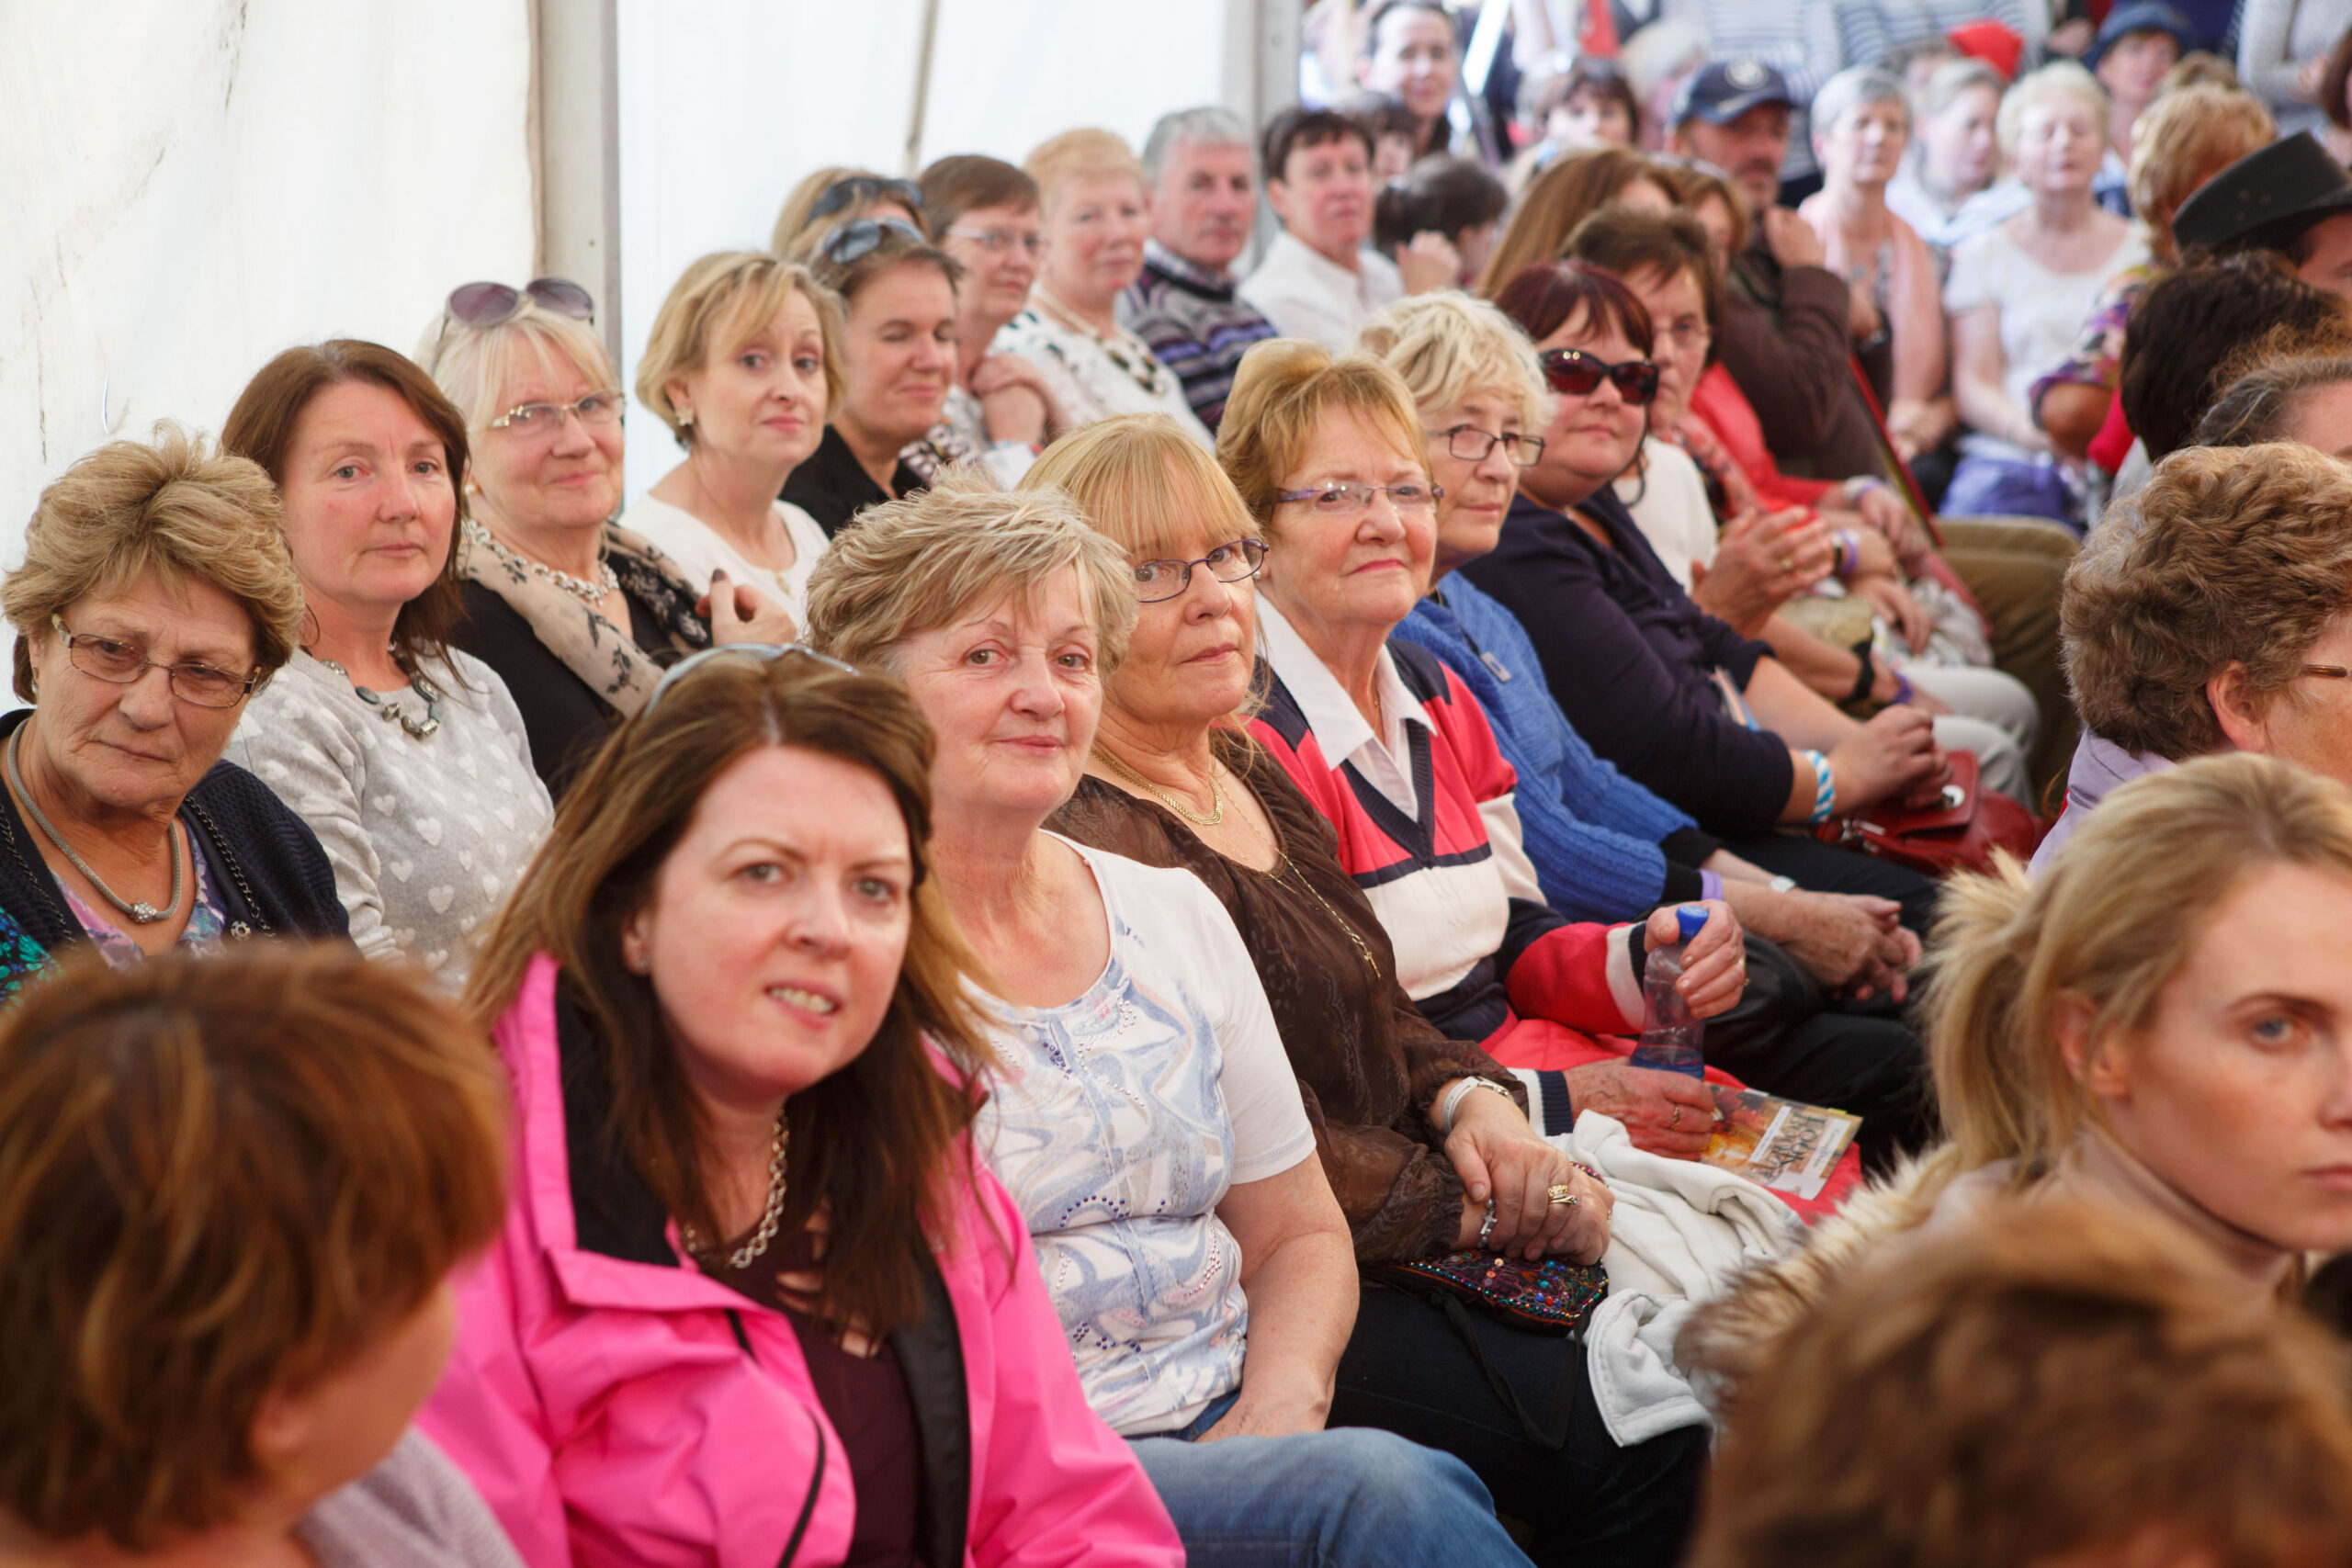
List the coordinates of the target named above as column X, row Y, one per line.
column 2239, row 556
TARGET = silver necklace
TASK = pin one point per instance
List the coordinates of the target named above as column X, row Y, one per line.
column 396, row 710
column 143, row 912
column 589, row 593
column 742, row 1257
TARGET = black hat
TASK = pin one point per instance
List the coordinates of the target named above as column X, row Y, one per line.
column 1723, row 90
column 2268, row 198
column 2138, row 16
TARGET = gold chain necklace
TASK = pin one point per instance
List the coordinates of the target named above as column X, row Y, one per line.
column 1216, row 817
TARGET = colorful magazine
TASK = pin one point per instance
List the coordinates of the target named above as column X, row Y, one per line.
column 1781, row 1144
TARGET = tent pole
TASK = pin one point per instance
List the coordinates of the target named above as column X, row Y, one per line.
column 922, row 89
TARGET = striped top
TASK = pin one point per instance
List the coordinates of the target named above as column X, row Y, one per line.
column 1195, row 323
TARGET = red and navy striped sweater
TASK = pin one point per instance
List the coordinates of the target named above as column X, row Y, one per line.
column 1473, row 942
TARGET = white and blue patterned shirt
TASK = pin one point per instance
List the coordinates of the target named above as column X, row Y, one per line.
column 1119, row 1121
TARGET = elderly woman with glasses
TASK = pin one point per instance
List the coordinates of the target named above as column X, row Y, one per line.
column 1140, row 1110
column 1096, row 212
column 577, row 614
column 155, row 598
column 406, row 756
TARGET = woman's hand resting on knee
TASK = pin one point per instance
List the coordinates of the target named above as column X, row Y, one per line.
column 1500, row 1156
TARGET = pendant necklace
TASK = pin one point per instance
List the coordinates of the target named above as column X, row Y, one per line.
column 143, row 912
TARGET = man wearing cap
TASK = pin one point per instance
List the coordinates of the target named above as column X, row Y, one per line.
column 2290, row 197
column 2139, row 40
column 1796, row 39
column 1784, row 328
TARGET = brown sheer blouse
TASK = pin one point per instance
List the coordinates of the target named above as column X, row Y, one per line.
column 1368, row 1064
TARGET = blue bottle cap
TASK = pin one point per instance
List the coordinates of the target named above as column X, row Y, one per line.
column 1692, row 918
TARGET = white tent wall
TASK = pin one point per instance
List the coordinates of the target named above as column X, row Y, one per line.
column 188, row 185
column 724, row 104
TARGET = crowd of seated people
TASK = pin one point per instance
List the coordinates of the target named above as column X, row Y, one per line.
column 1036, row 954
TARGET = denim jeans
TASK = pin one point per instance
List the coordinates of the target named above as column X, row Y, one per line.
column 1333, row 1499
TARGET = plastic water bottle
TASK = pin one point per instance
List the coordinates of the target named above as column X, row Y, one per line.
column 1671, row 1035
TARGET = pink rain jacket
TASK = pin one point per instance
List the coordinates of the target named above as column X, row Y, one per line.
column 620, row 1411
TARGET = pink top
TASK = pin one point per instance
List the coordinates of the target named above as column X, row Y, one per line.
column 621, row 1411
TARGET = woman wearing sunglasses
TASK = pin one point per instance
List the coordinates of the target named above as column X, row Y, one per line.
column 154, row 597
column 576, row 614
column 1095, row 211
column 756, row 1301
column 898, row 359
column 406, row 756
column 1677, row 699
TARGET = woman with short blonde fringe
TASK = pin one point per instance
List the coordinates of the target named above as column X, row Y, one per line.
column 2161, row 1022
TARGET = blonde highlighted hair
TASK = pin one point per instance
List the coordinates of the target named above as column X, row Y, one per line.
column 1446, row 346
column 173, row 506
column 1280, row 392
column 719, row 304
column 2108, row 923
column 2059, row 79
column 2184, row 140
column 474, row 367
column 1141, row 481
column 929, row 560
column 1075, row 155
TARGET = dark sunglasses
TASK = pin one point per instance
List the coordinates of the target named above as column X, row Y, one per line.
column 487, row 304
column 850, row 241
column 1574, row 373
column 865, row 187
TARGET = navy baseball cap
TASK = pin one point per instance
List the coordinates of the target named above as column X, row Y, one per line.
column 1723, row 90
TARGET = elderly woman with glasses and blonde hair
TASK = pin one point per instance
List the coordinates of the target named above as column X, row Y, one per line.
column 1141, row 1110
column 757, row 1301
column 155, row 596
column 578, row 614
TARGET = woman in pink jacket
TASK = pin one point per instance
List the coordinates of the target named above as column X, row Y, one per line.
column 755, row 1302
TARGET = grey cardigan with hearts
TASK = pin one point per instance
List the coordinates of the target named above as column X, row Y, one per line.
column 426, row 835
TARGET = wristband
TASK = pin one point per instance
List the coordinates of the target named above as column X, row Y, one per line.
column 1711, row 885
column 1904, row 690
column 1782, row 885
column 1862, row 485
column 1849, row 551
column 1864, row 681
column 1453, row 1102
column 1825, row 788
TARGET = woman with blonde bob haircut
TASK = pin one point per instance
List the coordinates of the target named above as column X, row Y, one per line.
column 121, row 824
column 744, row 366
column 232, row 1192
column 751, row 1267
column 1138, row 1054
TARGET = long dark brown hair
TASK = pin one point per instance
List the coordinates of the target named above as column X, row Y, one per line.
column 871, row 1142
column 270, row 410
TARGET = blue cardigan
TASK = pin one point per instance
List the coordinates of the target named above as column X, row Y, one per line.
column 1604, row 848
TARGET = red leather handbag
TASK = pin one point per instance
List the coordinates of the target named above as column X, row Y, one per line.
column 1959, row 834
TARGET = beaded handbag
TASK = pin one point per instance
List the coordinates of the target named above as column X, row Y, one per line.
column 1549, row 1296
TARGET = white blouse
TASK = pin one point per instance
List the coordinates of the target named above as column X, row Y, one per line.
column 1094, row 376
column 699, row 550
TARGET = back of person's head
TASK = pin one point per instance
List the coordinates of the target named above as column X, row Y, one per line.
column 2104, row 927
column 2061, row 80
column 1059, row 160
column 1574, row 186
column 1380, row 115
column 1695, row 182
column 223, row 1181
column 1280, row 392
column 2198, row 68
column 2185, row 139
column 869, row 1142
column 1441, row 194
column 267, row 418
column 1550, row 295
column 1631, row 243
column 1205, row 127
column 1300, row 129
column 2056, row 1384
column 2266, row 400
column 2227, row 557
column 716, row 306
column 2193, row 325
column 175, row 506
column 1445, row 346
column 828, row 198
column 1133, row 474
column 972, row 182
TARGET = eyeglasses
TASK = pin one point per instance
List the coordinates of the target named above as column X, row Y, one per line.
column 850, row 241
column 487, row 304
column 1235, row 562
column 996, row 241
column 1469, row 443
column 1576, row 374
column 2327, row 671
column 766, row 653
column 1691, row 337
column 122, row 665
column 545, row 419
column 864, row 187
column 1355, row 500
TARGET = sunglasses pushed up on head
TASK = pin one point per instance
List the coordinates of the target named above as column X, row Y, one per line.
column 488, row 304
column 1574, row 373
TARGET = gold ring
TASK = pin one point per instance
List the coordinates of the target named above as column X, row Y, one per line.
column 1674, row 1121
column 1563, row 1195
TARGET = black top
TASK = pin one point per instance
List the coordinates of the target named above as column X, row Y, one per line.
column 833, row 487
column 277, row 879
column 564, row 717
column 1631, row 661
